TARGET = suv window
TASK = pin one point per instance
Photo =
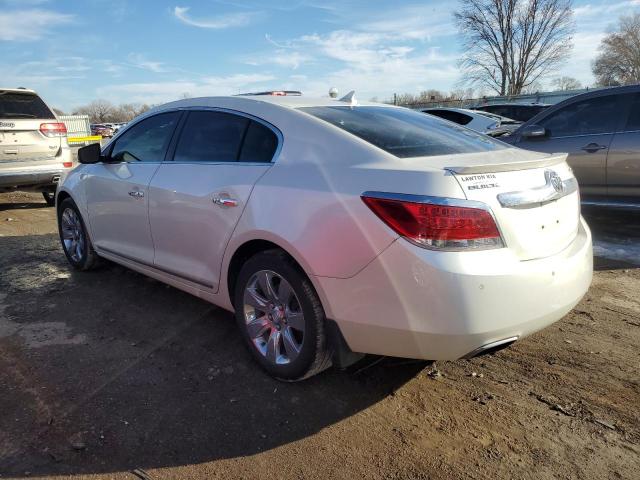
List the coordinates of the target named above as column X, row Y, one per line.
column 23, row 105
column 451, row 115
column 403, row 132
column 521, row 113
column 260, row 144
column 587, row 117
column 146, row 141
column 211, row 137
column 633, row 120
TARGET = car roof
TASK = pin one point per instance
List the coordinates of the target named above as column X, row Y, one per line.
column 517, row 104
column 286, row 101
column 17, row 90
column 600, row 92
column 604, row 91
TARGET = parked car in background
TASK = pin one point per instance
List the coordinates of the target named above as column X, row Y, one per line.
column 332, row 227
column 102, row 130
column 516, row 111
column 601, row 132
column 483, row 122
column 34, row 152
column 114, row 126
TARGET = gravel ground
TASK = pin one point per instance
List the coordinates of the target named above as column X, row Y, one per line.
column 108, row 374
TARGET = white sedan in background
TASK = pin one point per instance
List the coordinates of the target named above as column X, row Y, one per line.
column 333, row 228
column 483, row 122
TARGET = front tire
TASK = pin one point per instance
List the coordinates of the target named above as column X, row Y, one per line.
column 74, row 238
column 280, row 317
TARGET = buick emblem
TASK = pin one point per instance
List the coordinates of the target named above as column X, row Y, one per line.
column 554, row 179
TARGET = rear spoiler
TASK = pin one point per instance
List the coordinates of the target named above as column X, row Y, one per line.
column 554, row 159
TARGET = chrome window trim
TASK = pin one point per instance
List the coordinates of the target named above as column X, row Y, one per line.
column 248, row 164
column 537, row 196
column 446, row 201
column 270, row 126
column 582, row 134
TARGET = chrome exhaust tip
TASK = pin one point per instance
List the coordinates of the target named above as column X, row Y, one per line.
column 492, row 347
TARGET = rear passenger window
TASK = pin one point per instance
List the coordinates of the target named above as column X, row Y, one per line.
column 211, row 137
column 633, row 121
column 259, row 145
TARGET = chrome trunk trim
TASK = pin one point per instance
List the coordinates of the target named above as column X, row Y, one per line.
column 553, row 189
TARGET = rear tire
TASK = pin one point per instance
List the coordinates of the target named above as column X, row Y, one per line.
column 50, row 198
column 75, row 240
column 280, row 317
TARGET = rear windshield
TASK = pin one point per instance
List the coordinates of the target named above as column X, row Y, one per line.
column 403, row 132
column 23, row 105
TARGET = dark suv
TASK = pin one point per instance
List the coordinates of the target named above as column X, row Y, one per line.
column 601, row 132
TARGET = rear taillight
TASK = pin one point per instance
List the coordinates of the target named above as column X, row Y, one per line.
column 67, row 164
column 53, row 129
column 437, row 225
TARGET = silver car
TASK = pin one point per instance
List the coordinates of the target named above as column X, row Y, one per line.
column 601, row 132
column 34, row 152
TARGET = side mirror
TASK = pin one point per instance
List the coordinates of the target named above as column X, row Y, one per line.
column 534, row 131
column 90, row 154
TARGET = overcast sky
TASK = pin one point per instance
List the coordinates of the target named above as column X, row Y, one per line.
column 155, row 51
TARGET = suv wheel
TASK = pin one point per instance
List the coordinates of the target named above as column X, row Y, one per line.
column 73, row 236
column 280, row 317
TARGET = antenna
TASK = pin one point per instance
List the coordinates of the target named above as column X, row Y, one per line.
column 350, row 98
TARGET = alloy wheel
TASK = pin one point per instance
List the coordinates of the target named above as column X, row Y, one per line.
column 273, row 316
column 72, row 234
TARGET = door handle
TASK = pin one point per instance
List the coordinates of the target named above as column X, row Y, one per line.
column 137, row 194
column 225, row 201
column 593, row 147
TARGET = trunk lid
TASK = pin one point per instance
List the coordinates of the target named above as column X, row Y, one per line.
column 534, row 198
column 22, row 142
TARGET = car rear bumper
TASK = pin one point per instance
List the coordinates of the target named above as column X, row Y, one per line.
column 32, row 177
column 35, row 174
column 417, row 303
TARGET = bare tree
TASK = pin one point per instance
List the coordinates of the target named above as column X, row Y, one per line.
column 511, row 44
column 619, row 60
column 99, row 111
column 566, row 83
column 128, row 111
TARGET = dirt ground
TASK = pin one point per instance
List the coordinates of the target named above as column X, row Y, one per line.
column 108, row 374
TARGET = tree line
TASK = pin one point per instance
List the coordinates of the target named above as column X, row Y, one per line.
column 103, row 111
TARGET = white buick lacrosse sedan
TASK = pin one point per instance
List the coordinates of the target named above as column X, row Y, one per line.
column 334, row 228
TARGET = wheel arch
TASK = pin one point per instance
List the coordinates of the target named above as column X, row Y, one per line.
column 342, row 356
column 245, row 248
column 61, row 196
